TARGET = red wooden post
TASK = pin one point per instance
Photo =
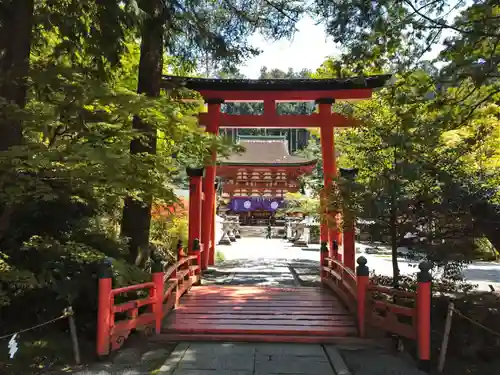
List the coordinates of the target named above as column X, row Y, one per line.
column 362, row 281
column 157, row 293
column 104, row 308
column 211, row 254
column 424, row 301
column 323, row 254
column 196, row 250
column 328, row 154
column 349, row 248
column 212, row 126
column 323, row 232
column 195, row 203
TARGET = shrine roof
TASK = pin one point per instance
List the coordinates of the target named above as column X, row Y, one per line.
column 308, row 84
column 265, row 150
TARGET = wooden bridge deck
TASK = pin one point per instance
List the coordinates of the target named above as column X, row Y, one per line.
column 249, row 313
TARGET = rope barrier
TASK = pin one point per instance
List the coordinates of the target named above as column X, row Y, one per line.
column 458, row 312
column 66, row 314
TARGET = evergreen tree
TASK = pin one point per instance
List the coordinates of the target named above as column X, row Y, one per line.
column 190, row 31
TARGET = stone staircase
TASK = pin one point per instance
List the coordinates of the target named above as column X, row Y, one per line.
column 253, row 231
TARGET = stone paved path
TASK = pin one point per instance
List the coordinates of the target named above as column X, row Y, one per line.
column 130, row 361
column 274, row 359
column 247, row 359
column 257, row 261
column 378, row 361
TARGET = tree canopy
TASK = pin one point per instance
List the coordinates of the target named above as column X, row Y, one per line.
column 92, row 149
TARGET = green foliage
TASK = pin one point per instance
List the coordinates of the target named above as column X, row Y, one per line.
column 62, row 191
column 219, row 256
column 415, row 148
column 297, row 202
column 484, row 249
column 314, row 181
column 212, row 36
column 63, row 182
column 166, row 232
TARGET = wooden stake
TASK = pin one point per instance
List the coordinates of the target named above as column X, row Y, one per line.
column 446, row 337
column 74, row 337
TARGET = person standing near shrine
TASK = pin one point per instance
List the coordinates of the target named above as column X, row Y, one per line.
column 269, row 229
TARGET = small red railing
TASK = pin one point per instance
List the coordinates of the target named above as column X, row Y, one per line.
column 392, row 310
column 147, row 313
column 406, row 314
column 342, row 281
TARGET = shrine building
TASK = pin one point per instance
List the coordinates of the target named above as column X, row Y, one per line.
column 255, row 182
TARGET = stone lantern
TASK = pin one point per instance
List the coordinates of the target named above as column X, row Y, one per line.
column 225, row 233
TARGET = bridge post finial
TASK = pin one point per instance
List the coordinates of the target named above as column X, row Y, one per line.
column 424, row 275
column 362, row 269
column 156, row 293
column 156, row 265
column 105, row 269
column 323, row 254
column 104, row 307
column 324, row 247
column 196, row 245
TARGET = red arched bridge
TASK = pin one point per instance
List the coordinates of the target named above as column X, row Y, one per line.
column 177, row 305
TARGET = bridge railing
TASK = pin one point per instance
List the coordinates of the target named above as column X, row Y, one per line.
column 146, row 313
column 406, row 314
column 392, row 310
column 342, row 281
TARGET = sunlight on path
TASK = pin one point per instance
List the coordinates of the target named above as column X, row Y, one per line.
column 266, row 251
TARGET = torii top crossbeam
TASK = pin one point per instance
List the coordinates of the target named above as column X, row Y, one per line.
column 271, row 91
column 288, row 90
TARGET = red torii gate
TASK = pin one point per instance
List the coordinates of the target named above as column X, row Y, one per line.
column 324, row 92
column 354, row 290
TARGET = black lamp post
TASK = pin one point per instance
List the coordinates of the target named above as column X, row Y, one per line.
column 349, row 173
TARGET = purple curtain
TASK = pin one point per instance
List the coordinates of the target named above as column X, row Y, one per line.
column 244, row 204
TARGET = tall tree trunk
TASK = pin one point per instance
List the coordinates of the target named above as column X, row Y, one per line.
column 394, row 243
column 15, row 47
column 394, row 221
column 136, row 219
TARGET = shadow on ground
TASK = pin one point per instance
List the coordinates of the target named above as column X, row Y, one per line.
column 265, row 272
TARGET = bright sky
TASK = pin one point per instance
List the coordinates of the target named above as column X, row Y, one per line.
column 308, row 49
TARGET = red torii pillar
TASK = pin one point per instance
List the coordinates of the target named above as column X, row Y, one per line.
column 207, row 234
column 349, row 256
column 329, row 164
column 211, row 254
column 195, row 203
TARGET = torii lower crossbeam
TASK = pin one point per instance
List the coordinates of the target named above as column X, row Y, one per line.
column 279, row 121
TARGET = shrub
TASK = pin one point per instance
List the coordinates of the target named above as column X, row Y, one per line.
column 219, row 256
column 166, row 231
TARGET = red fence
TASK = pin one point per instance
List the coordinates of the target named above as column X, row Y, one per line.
column 403, row 313
column 342, row 281
column 163, row 293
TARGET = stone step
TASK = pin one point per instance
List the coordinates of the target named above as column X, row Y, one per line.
column 175, row 337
